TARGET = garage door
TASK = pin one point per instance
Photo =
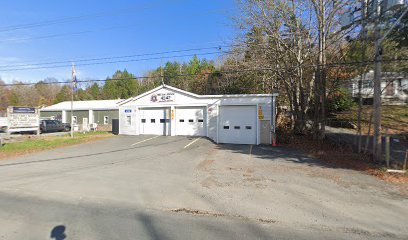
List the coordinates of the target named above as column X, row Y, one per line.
column 237, row 124
column 190, row 121
column 154, row 121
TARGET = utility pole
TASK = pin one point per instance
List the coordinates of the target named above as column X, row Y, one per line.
column 73, row 85
column 161, row 71
column 362, row 78
column 377, row 141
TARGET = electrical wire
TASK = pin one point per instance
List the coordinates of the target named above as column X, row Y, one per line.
column 115, row 57
column 196, row 74
column 117, row 61
column 63, row 20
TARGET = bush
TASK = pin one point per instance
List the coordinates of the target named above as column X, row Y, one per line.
column 339, row 101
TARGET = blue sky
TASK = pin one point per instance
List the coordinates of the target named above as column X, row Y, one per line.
column 96, row 29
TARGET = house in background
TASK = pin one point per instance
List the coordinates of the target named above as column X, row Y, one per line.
column 394, row 88
column 85, row 113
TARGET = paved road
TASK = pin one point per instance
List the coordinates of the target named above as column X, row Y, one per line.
column 149, row 187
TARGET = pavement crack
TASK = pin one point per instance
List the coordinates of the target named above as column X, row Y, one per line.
column 197, row 212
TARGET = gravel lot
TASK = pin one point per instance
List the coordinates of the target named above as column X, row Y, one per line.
column 183, row 188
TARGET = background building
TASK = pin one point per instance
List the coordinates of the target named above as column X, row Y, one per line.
column 394, row 88
column 84, row 112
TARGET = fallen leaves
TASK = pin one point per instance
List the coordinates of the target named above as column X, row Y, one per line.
column 343, row 157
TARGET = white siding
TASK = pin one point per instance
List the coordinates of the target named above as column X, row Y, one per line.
column 124, row 128
column 212, row 113
column 211, row 106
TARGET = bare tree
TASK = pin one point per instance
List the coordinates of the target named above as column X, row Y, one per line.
column 4, row 97
column 287, row 47
column 326, row 13
column 292, row 40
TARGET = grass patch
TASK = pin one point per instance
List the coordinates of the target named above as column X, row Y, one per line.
column 40, row 144
column 393, row 118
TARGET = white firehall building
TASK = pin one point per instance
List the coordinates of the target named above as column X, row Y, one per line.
column 169, row 111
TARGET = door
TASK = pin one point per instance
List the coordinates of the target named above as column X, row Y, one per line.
column 84, row 124
column 390, row 91
column 155, row 121
column 190, row 121
column 237, row 124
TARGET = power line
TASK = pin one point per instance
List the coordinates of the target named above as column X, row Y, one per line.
column 29, row 65
column 64, row 34
column 114, row 57
column 69, row 33
column 195, row 74
column 111, row 62
column 75, row 18
column 105, row 60
column 133, row 78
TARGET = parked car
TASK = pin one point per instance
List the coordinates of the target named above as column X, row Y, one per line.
column 54, row 126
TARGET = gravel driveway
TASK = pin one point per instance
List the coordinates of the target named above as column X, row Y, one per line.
column 189, row 188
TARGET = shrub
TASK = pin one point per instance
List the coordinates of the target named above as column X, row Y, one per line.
column 339, row 101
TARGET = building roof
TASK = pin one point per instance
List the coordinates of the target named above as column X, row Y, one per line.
column 85, row 105
column 164, row 86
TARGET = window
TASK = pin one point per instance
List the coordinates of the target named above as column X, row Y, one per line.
column 162, row 120
column 237, row 127
column 200, row 120
column 152, row 120
column 74, row 120
column 105, row 120
column 191, row 120
column 248, row 127
column 143, row 120
column 181, row 120
column 128, row 120
column 368, row 84
column 226, row 127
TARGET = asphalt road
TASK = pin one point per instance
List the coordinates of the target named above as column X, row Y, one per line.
column 148, row 187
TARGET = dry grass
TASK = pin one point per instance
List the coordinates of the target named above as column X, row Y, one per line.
column 343, row 157
column 35, row 145
column 394, row 118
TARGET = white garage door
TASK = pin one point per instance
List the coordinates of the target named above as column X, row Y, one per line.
column 190, row 121
column 155, row 121
column 237, row 124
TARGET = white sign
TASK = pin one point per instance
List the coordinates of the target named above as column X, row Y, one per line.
column 3, row 122
column 162, row 97
column 20, row 117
